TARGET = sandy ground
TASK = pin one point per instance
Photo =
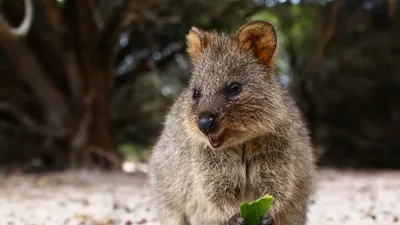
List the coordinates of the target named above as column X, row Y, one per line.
column 88, row 197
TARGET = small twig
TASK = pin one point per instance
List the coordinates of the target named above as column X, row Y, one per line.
column 104, row 153
column 80, row 137
column 98, row 19
column 391, row 9
column 327, row 36
column 23, row 29
column 120, row 18
column 67, row 221
column 54, row 17
column 329, row 31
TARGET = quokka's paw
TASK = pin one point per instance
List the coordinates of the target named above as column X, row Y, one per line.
column 267, row 220
column 236, row 220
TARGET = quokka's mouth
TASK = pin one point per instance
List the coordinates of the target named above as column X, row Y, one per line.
column 216, row 140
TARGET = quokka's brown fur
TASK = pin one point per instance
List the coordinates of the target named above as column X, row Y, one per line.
column 265, row 147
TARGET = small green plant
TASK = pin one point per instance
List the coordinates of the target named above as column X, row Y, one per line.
column 252, row 213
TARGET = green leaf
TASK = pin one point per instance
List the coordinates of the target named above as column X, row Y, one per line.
column 252, row 213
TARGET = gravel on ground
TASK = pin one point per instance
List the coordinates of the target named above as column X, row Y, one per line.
column 345, row 197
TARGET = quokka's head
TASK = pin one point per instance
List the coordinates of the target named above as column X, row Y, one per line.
column 233, row 95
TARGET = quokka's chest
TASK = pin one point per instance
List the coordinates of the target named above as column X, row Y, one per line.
column 238, row 180
column 251, row 185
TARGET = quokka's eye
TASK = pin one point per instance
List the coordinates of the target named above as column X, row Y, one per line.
column 196, row 94
column 234, row 89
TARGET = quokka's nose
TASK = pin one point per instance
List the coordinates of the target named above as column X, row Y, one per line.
column 207, row 123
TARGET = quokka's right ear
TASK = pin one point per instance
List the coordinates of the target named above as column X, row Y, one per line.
column 258, row 38
column 197, row 40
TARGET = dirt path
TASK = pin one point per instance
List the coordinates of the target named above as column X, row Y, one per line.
column 72, row 198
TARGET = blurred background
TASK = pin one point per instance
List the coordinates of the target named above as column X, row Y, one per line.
column 87, row 83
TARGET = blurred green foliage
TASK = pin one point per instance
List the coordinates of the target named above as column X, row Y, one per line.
column 339, row 59
column 134, row 153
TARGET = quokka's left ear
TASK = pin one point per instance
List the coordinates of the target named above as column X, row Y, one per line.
column 197, row 40
column 258, row 38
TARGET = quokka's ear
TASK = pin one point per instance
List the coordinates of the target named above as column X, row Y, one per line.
column 258, row 38
column 197, row 40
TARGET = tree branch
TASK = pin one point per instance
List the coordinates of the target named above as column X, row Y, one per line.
column 105, row 154
column 326, row 37
column 23, row 29
column 68, row 55
column 391, row 9
column 31, row 72
column 30, row 124
column 329, row 32
column 120, row 18
column 54, row 18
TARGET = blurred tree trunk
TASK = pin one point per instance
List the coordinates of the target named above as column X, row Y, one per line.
column 66, row 63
